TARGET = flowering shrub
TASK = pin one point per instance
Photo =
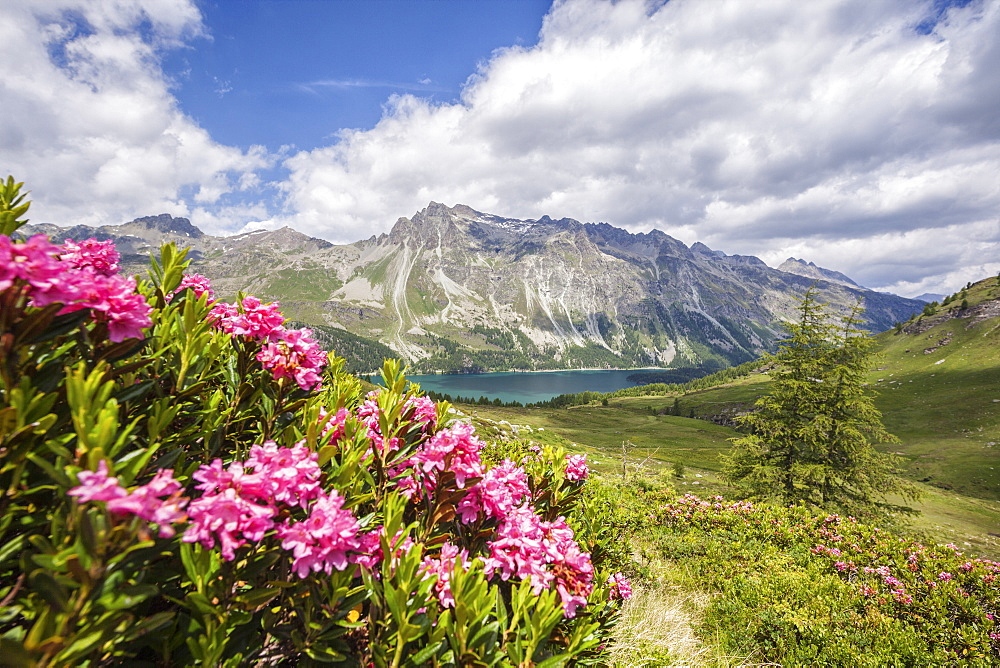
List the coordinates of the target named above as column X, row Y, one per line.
column 190, row 482
column 800, row 588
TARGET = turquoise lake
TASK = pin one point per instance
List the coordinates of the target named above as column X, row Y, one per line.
column 526, row 387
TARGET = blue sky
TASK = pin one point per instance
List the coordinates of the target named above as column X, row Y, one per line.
column 863, row 135
column 286, row 72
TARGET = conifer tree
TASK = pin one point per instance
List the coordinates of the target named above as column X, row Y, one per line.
column 811, row 439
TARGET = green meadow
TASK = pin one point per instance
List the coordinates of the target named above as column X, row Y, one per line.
column 937, row 381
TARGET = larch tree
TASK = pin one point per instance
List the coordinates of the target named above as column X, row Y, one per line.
column 811, row 440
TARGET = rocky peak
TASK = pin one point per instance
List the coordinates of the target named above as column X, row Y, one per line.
column 169, row 225
column 811, row 270
column 699, row 247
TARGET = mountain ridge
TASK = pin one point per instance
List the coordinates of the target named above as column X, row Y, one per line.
column 455, row 289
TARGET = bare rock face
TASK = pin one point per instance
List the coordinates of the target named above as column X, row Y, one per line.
column 810, row 270
column 455, row 289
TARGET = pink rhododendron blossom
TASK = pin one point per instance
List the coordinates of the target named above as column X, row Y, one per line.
column 229, row 519
column 36, row 263
column 369, row 550
column 455, row 449
column 289, row 475
column 368, row 412
column 324, row 540
column 112, row 300
column 214, row 479
column 251, row 318
column 100, row 256
column 545, row 553
column 159, row 501
column 442, row 567
column 198, row 284
column 502, row 489
column 332, row 426
column 576, row 467
column 902, row 597
column 97, row 485
column 620, row 587
column 293, row 354
column 422, row 410
column 944, row 576
column 85, row 280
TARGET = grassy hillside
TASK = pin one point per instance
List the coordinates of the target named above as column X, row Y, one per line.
column 938, row 384
column 938, row 388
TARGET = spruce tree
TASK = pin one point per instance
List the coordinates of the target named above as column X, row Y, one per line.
column 811, row 439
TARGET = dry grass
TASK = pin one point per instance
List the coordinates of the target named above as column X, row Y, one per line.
column 657, row 629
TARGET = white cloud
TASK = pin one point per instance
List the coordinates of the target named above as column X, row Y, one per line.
column 829, row 129
column 90, row 123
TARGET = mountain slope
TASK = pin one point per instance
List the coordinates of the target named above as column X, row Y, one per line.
column 458, row 290
column 938, row 388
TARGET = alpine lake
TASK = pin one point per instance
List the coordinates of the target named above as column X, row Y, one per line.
column 526, row 386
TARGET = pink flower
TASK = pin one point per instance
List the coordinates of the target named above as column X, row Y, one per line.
column 214, row 479
column 944, row 576
column 502, row 489
column 198, row 284
column 442, row 566
column 36, row 264
column 423, row 410
column 369, row 550
column 97, row 485
column 289, row 475
column 332, row 425
column 455, row 449
column 544, row 553
column 100, row 256
column 576, row 467
column 158, row 501
column 324, row 540
column 229, row 519
column 293, row 354
column 621, row 587
column 251, row 318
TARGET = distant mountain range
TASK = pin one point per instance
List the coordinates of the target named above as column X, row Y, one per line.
column 457, row 290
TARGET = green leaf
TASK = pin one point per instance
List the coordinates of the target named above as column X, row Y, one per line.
column 13, row 654
column 49, row 588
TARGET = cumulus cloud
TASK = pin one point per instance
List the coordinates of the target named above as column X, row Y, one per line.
column 859, row 134
column 90, row 123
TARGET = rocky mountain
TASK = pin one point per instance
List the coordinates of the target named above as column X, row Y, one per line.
column 810, row 270
column 455, row 289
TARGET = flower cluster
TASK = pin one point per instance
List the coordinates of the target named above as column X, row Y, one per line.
column 251, row 318
column 544, row 553
column 621, row 587
column 99, row 256
column 442, row 567
column 79, row 276
column 322, row 541
column 501, row 490
column 278, row 491
column 159, row 501
column 294, row 354
column 287, row 353
column 198, row 284
column 525, row 546
column 576, row 468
